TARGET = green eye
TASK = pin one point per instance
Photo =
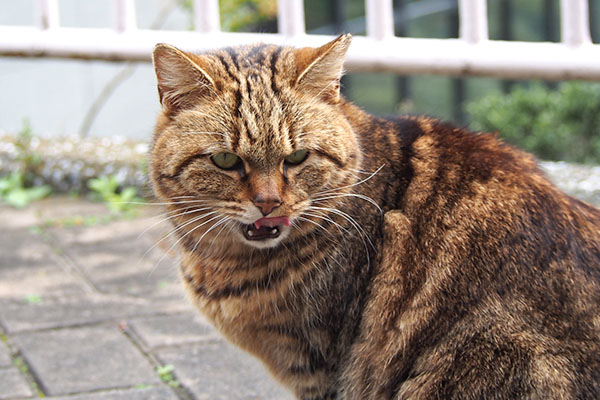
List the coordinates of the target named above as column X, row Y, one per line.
column 296, row 157
column 225, row 160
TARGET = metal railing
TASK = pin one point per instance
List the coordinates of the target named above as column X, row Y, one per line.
column 472, row 53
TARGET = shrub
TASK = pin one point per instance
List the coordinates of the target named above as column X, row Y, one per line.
column 561, row 124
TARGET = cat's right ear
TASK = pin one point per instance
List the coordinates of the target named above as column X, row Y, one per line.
column 182, row 79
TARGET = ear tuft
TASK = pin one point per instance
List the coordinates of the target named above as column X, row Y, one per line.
column 319, row 70
column 182, row 78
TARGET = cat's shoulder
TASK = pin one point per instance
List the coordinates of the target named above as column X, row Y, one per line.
column 426, row 137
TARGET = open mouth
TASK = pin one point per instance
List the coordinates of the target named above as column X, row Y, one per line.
column 265, row 228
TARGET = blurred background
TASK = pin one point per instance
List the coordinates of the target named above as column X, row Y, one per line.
column 45, row 100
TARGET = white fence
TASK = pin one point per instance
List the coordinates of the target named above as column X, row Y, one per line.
column 574, row 57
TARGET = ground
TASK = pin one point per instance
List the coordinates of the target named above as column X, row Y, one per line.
column 92, row 310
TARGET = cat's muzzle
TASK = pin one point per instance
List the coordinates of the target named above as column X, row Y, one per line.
column 251, row 233
column 265, row 228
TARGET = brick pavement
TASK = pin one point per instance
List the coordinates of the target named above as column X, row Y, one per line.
column 94, row 312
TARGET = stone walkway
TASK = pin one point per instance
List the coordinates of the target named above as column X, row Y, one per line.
column 92, row 310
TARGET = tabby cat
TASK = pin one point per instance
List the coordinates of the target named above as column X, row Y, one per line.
column 369, row 258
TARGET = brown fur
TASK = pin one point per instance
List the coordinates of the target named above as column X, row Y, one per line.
column 472, row 278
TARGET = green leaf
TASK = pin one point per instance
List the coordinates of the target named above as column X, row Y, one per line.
column 38, row 192
column 17, row 198
column 20, row 197
column 33, row 298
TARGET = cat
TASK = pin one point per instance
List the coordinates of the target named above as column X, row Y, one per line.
column 368, row 258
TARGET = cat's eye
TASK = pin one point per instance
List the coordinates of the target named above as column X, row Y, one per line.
column 296, row 157
column 226, row 160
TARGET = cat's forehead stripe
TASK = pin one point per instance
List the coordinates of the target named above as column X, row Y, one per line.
column 256, row 55
column 251, row 71
column 227, row 67
column 273, row 64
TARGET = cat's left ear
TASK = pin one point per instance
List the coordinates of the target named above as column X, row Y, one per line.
column 319, row 70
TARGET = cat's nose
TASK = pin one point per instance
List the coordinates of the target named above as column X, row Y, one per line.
column 266, row 204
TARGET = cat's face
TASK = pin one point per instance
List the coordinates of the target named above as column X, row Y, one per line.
column 250, row 146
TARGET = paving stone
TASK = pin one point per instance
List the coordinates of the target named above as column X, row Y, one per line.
column 84, row 359
column 28, row 266
column 63, row 208
column 13, row 384
column 5, row 360
column 120, row 257
column 170, row 330
column 154, row 393
column 49, row 209
column 17, row 218
column 64, row 311
column 219, row 371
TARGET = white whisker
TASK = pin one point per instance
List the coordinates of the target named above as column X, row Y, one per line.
column 221, row 221
column 225, row 225
column 188, row 211
column 203, row 133
column 184, row 236
column 177, row 228
column 347, row 217
column 360, row 196
column 326, row 218
column 352, row 185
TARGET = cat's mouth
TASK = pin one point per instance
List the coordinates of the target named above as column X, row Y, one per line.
column 265, row 228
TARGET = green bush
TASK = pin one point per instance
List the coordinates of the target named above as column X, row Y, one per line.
column 18, row 188
column 554, row 124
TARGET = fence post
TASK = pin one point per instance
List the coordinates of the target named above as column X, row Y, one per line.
column 290, row 17
column 380, row 19
column 574, row 22
column 46, row 13
column 206, row 16
column 124, row 11
column 473, row 20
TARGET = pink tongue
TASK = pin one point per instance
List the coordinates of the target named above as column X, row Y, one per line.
column 271, row 222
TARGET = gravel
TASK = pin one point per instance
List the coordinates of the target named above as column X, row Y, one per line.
column 67, row 163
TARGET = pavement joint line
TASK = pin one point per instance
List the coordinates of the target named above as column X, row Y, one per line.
column 117, row 321
column 36, row 384
column 89, row 324
column 25, row 369
column 103, row 390
column 211, row 340
column 181, row 391
column 64, row 260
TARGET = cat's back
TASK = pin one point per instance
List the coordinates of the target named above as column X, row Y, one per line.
column 450, row 161
column 489, row 275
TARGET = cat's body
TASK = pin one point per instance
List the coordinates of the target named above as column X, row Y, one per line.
column 472, row 277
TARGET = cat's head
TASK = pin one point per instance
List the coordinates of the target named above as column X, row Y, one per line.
column 251, row 145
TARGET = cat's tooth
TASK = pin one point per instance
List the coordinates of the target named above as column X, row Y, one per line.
column 274, row 231
column 250, row 233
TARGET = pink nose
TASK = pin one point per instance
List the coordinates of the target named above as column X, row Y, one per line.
column 266, row 205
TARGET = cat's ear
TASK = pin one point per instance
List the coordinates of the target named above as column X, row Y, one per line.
column 182, row 78
column 319, row 70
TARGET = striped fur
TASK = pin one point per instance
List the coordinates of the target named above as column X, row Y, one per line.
column 422, row 262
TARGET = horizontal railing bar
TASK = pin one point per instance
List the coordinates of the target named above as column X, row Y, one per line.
column 456, row 57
